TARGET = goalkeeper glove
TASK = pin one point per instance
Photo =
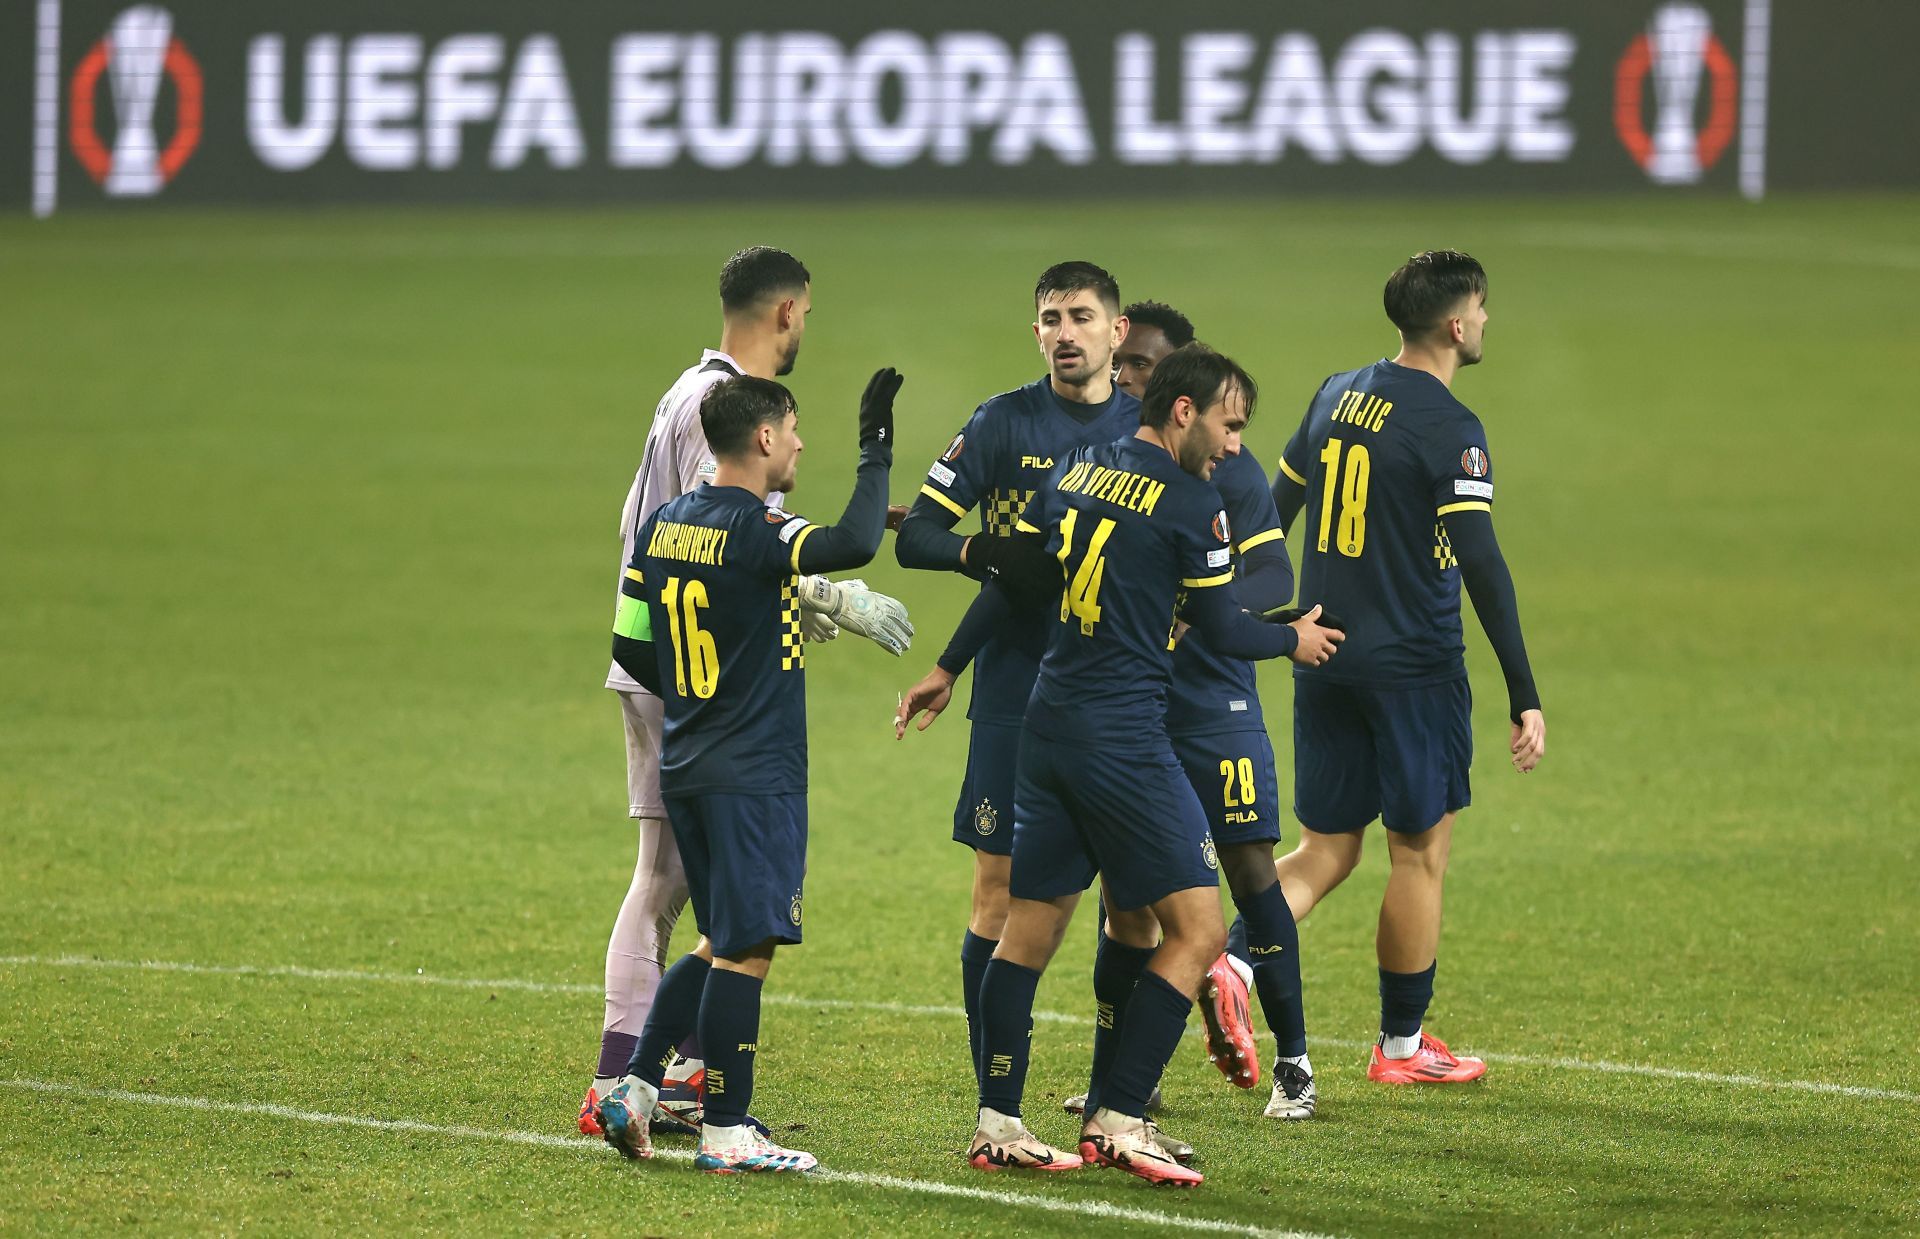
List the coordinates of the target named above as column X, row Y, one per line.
column 854, row 607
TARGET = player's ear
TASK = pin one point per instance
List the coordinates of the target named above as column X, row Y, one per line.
column 1121, row 326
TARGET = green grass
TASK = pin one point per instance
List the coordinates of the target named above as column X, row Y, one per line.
column 306, row 562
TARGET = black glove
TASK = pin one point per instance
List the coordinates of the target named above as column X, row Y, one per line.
column 1286, row 615
column 876, row 410
column 987, row 556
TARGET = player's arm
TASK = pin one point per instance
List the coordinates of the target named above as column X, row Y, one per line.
column 1026, row 578
column 1263, row 575
column 1462, row 472
column 852, row 540
column 953, row 485
column 1230, row 629
column 633, row 629
column 1290, row 474
column 1214, row 609
column 1483, row 570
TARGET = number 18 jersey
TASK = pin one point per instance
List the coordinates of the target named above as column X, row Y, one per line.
column 1386, row 454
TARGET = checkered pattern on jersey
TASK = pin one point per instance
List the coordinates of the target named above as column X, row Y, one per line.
column 793, row 648
column 1002, row 509
column 1442, row 548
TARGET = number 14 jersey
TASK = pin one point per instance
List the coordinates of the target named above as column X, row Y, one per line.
column 1386, row 454
column 1132, row 532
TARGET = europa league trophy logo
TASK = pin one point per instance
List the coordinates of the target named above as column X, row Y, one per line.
column 139, row 40
column 1679, row 34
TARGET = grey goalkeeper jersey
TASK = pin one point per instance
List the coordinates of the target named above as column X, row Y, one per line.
column 675, row 460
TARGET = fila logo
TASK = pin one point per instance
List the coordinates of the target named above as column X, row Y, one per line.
column 1275, row 949
column 136, row 55
column 1000, row 1065
column 1036, row 462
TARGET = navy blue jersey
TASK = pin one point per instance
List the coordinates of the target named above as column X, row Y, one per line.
column 997, row 461
column 1385, row 454
column 1132, row 530
column 716, row 570
column 1210, row 693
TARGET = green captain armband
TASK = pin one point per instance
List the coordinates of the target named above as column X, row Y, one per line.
column 634, row 619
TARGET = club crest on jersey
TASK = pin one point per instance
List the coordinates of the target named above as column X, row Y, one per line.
column 1473, row 463
column 985, row 819
column 1221, row 529
column 1209, row 854
column 794, row 912
column 954, row 449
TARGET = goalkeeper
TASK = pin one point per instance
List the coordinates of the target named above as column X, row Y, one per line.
column 765, row 296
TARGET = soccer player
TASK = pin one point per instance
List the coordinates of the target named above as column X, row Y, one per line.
column 709, row 620
column 1154, row 329
column 1126, row 527
column 1220, row 737
column 1397, row 483
column 1000, row 458
column 765, row 297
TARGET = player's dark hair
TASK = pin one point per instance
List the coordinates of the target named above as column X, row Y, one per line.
column 1175, row 326
column 734, row 408
column 1429, row 284
column 1063, row 278
column 1201, row 375
column 759, row 273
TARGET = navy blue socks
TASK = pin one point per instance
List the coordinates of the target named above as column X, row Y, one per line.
column 975, row 953
column 1116, row 971
column 1006, row 1034
column 730, row 1034
column 1404, row 997
column 1156, row 1016
column 1273, row 948
column 676, row 1008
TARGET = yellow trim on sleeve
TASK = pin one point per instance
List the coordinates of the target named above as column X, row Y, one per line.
column 942, row 500
column 1262, row 538
column 1466, row 507
column 633, row 574
column 1023, row 527
column 1201, row 582
column 1288, row 470
column 800, row 540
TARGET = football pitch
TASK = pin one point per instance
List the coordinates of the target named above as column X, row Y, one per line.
column 312, row 806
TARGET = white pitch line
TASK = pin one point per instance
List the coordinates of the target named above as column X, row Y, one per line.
column 1099, row 1209
column 1599, row 1066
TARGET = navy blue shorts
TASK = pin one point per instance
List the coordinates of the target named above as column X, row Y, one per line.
column 1398, row 754
column 1233, row 775
column 983, row 819
column 746, row 860
column 1130, row 817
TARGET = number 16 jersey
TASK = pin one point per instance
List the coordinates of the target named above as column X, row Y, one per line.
column 1386, row 454
column 715, row 570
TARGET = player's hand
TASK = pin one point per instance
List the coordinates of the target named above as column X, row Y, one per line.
column 896, row 516
column 817, row 625
column 1529, row 740
column 930, row 695
column 984, row 556
column 876, row 408
column 854, row 607
column 1318, row 642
